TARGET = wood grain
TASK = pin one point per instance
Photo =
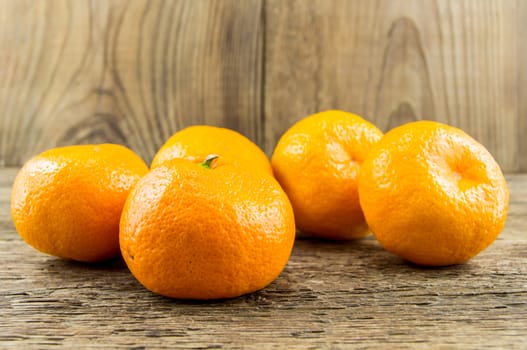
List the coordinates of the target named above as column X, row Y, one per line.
column 394, row 61
column 331, row 295
column 522, row 87
column 129, row 72
column 134, row 72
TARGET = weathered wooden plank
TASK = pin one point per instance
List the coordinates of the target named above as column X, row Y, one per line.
column 130, row 72
column 460, row 62
column 134, row 72
column 7, row 176
column 331, row 295
column 521, row 87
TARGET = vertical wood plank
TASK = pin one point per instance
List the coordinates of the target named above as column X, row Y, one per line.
column 50, row 58
column 130, row 72
column 393, row 61
column 521, row 84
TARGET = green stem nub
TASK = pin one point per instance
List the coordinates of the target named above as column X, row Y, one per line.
column 207, row 163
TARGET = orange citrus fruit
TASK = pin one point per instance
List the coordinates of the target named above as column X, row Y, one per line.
column 67, row 201
column 317, row 161
column 196, row 142
column 206, row 231
column 432, row 194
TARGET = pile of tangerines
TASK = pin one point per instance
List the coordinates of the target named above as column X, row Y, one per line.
column 213, row 218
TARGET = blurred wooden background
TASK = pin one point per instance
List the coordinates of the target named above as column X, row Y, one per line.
column 134, row 72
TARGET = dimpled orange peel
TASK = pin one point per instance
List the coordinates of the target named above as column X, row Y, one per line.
column 67, row 201
column 432, row 194
column 197, row 142
column 317, row 161
column 206, row 231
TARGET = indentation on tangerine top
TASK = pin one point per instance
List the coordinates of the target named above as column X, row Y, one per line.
column 467, row 172
column 341, row 157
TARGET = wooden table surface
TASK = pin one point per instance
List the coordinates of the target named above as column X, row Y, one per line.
column 331, row 295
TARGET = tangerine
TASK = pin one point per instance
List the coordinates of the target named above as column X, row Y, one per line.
column 196, row 142
column 67, row 201
column 206, row 231
column 432, row 194
column 317, row 161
